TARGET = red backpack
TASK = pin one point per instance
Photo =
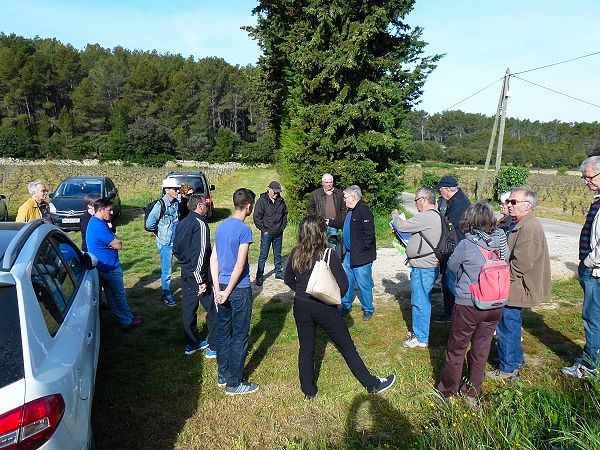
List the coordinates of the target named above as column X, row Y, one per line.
column 491, row 289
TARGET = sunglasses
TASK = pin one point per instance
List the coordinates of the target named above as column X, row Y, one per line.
column 514, row 202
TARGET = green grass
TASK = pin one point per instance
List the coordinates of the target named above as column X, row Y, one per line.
column 149, row 395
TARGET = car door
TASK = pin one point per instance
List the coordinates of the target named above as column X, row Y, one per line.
column 68, row 295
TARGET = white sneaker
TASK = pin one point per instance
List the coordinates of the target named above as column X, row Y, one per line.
column 578, row 370
column 414, row 343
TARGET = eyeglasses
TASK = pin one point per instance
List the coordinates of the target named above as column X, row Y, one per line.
column 418, row 198
column 586, row 179
column 513, row 202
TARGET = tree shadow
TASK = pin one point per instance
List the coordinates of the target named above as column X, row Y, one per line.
column 558, row 343
column 273, row 315
column 219, row 214
column 389, row 427
column 128, row 214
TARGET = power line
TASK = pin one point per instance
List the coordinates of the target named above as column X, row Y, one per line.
column 472, row 95
column 556, row 92
column 557, row 63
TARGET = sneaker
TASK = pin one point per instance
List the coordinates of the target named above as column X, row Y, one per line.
column 367, row 316
column 471, row 400
column 309, row 397
column 169, row 302
column 413, row 342
column 506, row 376
column 203, row 345
column 245, row 387
column 190, row 349
column 384, row 384
column 442, row 320
column 221, row 382
column 210, row 354
column 578, row 370
column 279, row 276
column 135, row 322
column 259, row 281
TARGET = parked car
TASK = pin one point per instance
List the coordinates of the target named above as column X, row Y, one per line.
column 199, row 182
column 3, row 209
column 49, row 338
column 67, row 202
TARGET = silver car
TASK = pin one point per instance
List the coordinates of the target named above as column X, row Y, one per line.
column 49, row 338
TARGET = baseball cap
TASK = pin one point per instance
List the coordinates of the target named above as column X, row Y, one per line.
column 447, row 181
column 275, row 186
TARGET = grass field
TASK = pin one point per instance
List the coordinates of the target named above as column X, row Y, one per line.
column 149, row 395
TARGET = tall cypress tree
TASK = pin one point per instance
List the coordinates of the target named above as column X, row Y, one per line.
column 339, row 77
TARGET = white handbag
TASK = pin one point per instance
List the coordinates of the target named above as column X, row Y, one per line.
column 322, row 284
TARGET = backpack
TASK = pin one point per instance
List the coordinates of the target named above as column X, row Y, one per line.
column 491, row 289
column 149, row 208
column 446, row 244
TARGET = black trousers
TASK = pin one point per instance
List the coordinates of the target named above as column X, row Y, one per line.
column 191, row 299
column 310, row 313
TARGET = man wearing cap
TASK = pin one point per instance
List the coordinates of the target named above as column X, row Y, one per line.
column 328, row 202
column 163, row 218
column 457, row 203
column 270, row 217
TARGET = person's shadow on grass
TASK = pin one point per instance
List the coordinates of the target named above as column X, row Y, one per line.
column 389, row 428
column 558, row 343
column 272, row 320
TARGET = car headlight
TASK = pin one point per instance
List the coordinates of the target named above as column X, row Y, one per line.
column 52, row 208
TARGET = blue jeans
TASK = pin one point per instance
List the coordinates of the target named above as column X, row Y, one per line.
column 333, row 237
column 114, row 289
column 266, row 240
column 591, row 316
column 421, row 283
column 166, row 268
column 234, row 325
column 361, row 275
column 510, row 350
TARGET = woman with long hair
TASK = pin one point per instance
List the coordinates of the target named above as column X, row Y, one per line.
column 471, row 325
column 310, row 312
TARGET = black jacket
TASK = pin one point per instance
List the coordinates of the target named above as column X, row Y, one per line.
column 270, row 217
column 457, row 205
column 363, row 249
column 192, row 247
column 316, row 206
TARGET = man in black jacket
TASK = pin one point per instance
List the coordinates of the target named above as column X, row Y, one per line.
column 192, row 248
column 360, row 251
column 328, row 202
column 270, row 217
column 457, row 203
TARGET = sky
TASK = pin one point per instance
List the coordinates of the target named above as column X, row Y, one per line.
column 480, row 40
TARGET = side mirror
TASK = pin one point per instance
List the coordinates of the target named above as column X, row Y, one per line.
column 89, row 260
column 51, row 195
column 2, row 197
column 212, row 187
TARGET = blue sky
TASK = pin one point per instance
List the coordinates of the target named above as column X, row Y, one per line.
column 481, row 38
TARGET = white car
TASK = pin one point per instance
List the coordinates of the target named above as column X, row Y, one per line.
column 49, row 338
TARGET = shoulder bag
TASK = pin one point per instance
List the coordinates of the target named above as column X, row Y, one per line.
column 322, row 284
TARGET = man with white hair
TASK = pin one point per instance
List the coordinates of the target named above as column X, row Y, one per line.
column 360, row 251
column 328, row 202
column 34, row 207
column 589, row 276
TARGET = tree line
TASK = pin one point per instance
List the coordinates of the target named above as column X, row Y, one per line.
column 57, row 101
column 463, row 138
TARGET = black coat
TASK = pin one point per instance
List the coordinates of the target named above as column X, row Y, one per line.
column 363, row 248
column 270, row 217
column 192, row 247
column 457, row 205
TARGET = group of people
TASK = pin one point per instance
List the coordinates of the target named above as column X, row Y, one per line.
column 218, row 276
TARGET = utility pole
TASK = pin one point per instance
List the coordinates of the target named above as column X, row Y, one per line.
column 500, row 116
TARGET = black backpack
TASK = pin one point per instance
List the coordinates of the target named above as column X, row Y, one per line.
column 149, row 208
column 446, row 244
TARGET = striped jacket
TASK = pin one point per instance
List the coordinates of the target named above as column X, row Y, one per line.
column 192, row 247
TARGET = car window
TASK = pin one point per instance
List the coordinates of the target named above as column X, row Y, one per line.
column 53, row 284
column 11, row 348
column 195, row 181
column 79, row 188
column 109, row 185
column 71, row 256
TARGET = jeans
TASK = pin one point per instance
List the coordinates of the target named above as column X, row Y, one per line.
column 591, row 316
column 469, row 326
column 448, row 290
column 114, row 289
column 233, row 328
column 421, row 283
column 307, row 315
column 510, row 350
column 333, row 238
column 266, row 240
column 166, row 268
column 361, row 275
column 190, row 302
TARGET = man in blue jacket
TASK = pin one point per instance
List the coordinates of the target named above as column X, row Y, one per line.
column 360, row 251
column 163, row 218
